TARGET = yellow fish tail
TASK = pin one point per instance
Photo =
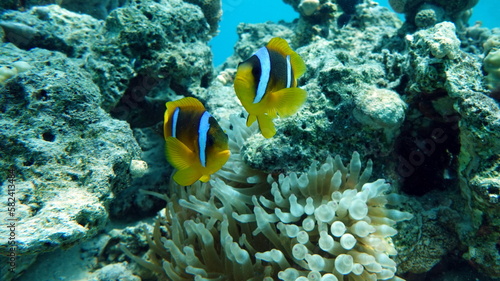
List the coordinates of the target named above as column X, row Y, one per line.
column 266, row 126
column 250, row 119
column 205, row 178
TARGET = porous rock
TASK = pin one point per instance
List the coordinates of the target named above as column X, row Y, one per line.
column 166, row 48
column 67, row 155
column 98, row 9
column 424, row 14
column 52, row 28
column 166, row 51
column 492, row 67
column 212, row 9
column 380, row 108
column 308, row 7
column 115, row 271
column 448, row 82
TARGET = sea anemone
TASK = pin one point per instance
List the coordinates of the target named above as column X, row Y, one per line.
column 327, row 223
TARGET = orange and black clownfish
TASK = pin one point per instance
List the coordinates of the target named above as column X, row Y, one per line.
column 195, row 143
column 266, row 84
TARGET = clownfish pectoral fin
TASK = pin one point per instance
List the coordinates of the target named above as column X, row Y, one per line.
column 182, row 159
column 266, row 126
column 187, row 176
column 287, row 101
column 178, row 154
column 281, row 46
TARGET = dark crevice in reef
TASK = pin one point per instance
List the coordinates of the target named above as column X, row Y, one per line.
column 136, row 107
column 451, row 267
column 427, row 151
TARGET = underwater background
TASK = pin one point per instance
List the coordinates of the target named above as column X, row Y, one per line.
column 389, row 170
column 236, row 11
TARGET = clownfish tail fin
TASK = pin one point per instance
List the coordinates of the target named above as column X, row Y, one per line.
column 250, row 119
column 266, row 126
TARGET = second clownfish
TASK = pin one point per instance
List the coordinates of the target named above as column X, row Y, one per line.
column 266, row 84
column 195, row 144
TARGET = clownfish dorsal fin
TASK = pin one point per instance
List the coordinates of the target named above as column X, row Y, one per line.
column 188, row 102
column 281, row 46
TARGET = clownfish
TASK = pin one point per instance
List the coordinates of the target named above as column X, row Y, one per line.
column 266, row 84
column 195, row 144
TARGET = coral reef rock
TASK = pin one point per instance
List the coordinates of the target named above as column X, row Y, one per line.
column 167, row 50
column 67, row 155
column 423, row 14
column 443, row 84
column 66, row 79
column 492, row 66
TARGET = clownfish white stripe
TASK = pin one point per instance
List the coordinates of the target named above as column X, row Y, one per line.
column 265, row 66
column 288, row 72
column 202, row 137
column 175, row 117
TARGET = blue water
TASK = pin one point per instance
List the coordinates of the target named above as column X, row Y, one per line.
column 258, row 11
